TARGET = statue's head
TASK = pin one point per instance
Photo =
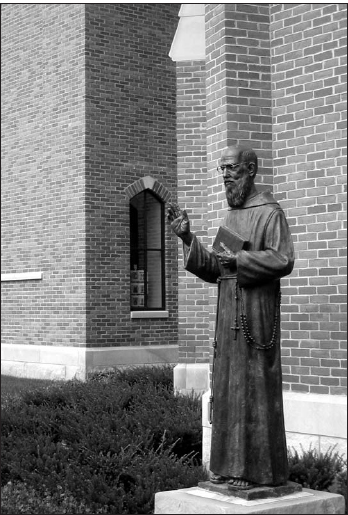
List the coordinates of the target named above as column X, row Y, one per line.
column 238, row 167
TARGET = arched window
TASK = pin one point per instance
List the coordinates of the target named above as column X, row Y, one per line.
column 147, row 251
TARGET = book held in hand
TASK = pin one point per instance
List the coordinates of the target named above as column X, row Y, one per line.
column 231, row 239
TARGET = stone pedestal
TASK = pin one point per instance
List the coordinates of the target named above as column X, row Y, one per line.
column 252, row 494
column 202, row 501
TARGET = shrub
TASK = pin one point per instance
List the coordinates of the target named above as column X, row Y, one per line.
column 339, row 485
column 156, row 375
column 20, row 498
column 106, row 445
column 11, row 385
column 180, row 419
column 316, row 470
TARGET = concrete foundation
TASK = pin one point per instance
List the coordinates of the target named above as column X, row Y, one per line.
column 200, row 501
column 64, row 363
column 191, row 376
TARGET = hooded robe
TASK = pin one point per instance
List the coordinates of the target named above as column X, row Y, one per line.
column 248, row 434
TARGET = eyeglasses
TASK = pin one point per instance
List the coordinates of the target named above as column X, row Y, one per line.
column 229, row 168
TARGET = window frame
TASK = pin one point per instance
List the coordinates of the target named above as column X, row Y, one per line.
column 147, row 249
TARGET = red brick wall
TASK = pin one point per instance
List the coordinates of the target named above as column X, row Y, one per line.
column 43, row 224
column 130, row 134
column 192, row 195
column 308, row 45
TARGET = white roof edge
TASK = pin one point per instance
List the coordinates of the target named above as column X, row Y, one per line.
column 192, row 10
column 189, row 40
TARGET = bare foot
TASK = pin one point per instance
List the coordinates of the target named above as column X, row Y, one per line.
column 238, row 482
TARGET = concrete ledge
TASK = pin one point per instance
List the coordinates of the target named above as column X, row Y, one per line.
column 43, row 362
column 316, row 414
column 191, row 376
column 21, row 276
column 322, row 443
column 149, row 314
column 199, row 501
column 41, row 371
column 99, row 358
column 206, row 431
column 43, row 354
column 64, row 363
column 317, row 420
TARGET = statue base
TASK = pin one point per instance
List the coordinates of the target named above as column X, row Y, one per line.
column 258, row 492
column 202, row 501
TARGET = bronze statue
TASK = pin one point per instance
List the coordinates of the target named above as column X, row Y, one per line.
column 253, row 251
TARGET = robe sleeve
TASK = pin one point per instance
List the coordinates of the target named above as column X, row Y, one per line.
column 200, row 262
column 272, row 263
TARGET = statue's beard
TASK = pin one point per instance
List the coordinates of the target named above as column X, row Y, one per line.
column 237, row 192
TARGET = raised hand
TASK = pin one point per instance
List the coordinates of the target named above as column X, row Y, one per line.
column 180, row 223
column 173, row 212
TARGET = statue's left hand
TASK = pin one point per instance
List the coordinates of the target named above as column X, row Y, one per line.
column 227, row 258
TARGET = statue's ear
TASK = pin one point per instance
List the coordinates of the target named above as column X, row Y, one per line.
column 252, row 169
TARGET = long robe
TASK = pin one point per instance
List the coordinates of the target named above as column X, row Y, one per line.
column 248, row 434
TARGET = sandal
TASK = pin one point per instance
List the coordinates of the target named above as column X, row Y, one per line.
column 217, row 479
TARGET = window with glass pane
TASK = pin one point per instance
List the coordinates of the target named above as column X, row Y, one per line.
column 147, row 252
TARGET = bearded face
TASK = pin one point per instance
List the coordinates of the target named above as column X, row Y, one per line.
column 238, row 189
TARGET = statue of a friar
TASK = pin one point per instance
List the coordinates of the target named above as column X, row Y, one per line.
column 254, row 249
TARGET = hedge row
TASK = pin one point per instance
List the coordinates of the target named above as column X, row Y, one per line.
column 105, row 446
column 108, row 445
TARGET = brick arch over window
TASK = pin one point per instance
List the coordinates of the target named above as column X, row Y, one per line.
column 147, row 183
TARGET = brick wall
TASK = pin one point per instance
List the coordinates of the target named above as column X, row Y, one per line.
column 43, row 224
column 130, row 134
column 88, row 109
column 308, row 45
column 192, row 195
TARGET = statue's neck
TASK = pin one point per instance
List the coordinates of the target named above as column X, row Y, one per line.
column 252, row 193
